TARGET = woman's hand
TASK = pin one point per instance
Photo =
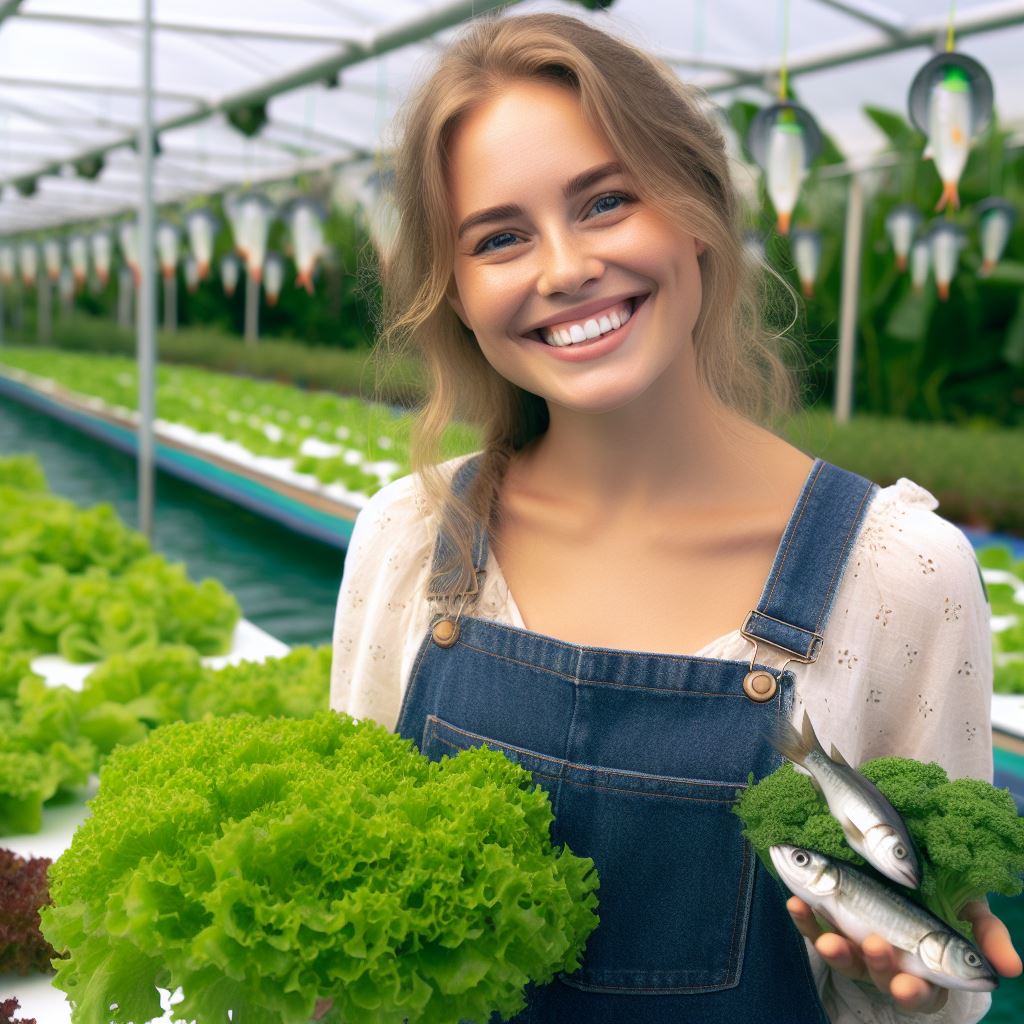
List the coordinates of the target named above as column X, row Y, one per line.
column 875, row 960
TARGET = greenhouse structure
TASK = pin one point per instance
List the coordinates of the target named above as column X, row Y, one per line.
column 195, row 201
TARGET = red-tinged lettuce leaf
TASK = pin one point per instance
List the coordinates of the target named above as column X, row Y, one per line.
column 23, row 891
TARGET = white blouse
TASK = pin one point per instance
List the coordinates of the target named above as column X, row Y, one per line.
column 905, row 667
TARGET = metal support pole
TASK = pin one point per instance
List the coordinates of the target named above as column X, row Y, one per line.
column 19, row 310
column 252, row 308
column 3, row 290
column 146, row 311
column 171, row 303
column 44, row 309
column 848, row 300
column 125, row 292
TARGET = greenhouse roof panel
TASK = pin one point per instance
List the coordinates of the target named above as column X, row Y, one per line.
column 330, row 74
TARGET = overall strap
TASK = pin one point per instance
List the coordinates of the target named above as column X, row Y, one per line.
column 444, row 547
column 809, row 564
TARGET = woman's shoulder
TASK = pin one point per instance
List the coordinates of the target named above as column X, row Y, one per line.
column 399, row 511
column 905, row 538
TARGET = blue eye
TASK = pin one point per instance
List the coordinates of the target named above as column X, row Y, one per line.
column 613, row 196
column 484, row 246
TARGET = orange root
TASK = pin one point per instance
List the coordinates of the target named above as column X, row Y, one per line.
column 808, row 288
column 949, row 195
column 271, row 299
column 304, row 280
column 987, row 266
column 202, row 269
column 942, row 287
column 783, row 223
column 901, row 263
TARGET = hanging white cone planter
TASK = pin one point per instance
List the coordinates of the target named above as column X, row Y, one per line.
column 28, row 263
column 946, row 240
column 52, row 253
column 784, row 139
column 7, row 265
column 78, row 256
column 306, row 222
column 100, row 245
column 753, row 248
column 995, row 221
column 167, row 238
column 255, row 212
column 230, row 268
column 233, row 212
column 191, row 268
column 273, row 277
column 806, row 243
column 950, row 102
column 128, row 237
column 920, row 264
column 901, row 225
column 201, row 226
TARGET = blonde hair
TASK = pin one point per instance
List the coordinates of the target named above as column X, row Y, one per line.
column 670, row 147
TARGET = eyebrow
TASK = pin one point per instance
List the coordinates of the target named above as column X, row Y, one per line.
column 571, row 188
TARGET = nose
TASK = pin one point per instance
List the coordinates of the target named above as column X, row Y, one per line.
column 566, row 265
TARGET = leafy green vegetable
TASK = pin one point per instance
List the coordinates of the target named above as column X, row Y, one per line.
column 22, row 472
column 968, row 832
column 260, row 865
column 23, row 890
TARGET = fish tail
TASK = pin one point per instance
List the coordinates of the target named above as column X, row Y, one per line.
column 788, row 742
column 783, row 223
column 949, row 195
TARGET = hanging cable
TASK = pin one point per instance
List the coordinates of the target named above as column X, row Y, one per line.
column 784, row 68
column 950, row 31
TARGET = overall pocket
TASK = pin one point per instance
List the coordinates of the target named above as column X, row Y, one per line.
column 676, row 876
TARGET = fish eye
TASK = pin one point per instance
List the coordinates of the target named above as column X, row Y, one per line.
column 801, row 859
column 899, row 851
column 972, row 958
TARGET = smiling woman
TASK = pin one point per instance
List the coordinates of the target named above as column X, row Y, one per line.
column 635, row 577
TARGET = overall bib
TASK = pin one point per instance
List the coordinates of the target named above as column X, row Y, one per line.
column 642, row 755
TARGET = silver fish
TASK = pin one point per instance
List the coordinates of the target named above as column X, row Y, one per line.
column 858, row 906
column 872, row 826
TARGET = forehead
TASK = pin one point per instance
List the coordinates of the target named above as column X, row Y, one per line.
column 529, row 139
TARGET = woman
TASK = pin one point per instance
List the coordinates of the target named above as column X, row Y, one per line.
column 568, row 265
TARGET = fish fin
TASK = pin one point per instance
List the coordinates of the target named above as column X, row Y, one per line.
column 809, row 737
column 852, row 832
column 837, row 756
column 787, row 741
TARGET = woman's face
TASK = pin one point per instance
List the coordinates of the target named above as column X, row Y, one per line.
column 552, row 244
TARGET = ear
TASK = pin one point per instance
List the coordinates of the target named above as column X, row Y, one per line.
column 699, row 246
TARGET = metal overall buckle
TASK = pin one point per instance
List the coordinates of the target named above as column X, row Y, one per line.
column 759, row 684
column 445, row 630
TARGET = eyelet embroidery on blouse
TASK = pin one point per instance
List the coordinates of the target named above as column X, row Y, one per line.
column 924, row 706
column 951, row 610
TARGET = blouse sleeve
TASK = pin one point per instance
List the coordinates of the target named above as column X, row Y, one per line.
column 916, row 648
column 380, row 613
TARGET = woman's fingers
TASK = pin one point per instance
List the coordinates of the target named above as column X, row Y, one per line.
column 993, row 938
column 803, row 918
column 907, row 990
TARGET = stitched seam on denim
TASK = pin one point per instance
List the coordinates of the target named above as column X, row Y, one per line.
column 680, row 990
column 407, row 696
column 842, row 560
column 744, row 665
column 738, row 912
column 569, row 733
column 576, row 766
column 437, row 738
column 805, row 501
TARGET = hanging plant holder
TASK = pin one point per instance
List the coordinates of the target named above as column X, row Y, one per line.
column 901, row 225
column 255, row 213
column 202, row 227
column 946, row 239
column 52, row 253
column 28, row 263
column 305, row 219
column 806, row 245
column 7, row 265
column 950, row 102
column 167, row 244
column 26, row 187
column 249, row 119
column 784, row 140
column 230, row 269
column 128, row 237
column 754, row 249
column 192, row 278
column 995, row 221
column 101, row 245
column 78, row 256
column 89, row 167
column 273, row 277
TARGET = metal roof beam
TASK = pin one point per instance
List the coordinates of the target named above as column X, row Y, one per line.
column 872, row 14
column 290, row 33
column 102, row 88
column 1004, row 14
column 370, row 45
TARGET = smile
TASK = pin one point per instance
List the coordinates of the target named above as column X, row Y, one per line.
column 602, row 322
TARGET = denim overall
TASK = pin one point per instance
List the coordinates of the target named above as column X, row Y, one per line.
column 642, row 755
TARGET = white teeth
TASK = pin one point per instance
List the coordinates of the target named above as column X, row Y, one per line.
column 592, row 328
